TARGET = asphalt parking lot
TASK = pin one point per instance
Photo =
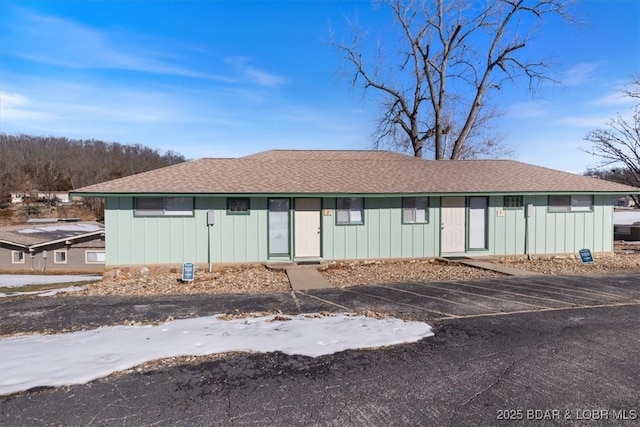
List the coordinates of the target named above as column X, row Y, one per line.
column 571, row 366
column 504, row 350
column 424, row 301
column 432, row 301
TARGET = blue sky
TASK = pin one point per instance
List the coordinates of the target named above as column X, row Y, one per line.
column 226, row 79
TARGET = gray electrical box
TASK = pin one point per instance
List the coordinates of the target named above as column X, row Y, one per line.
column 529, row 211
column 210, row 217
column 44, row 254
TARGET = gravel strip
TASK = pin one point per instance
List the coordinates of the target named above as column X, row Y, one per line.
column 256, row 278
column 249, row 279
column 573, row 265
column 343, row 274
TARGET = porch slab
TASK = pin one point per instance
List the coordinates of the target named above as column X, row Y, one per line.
column 504, row 269
column 306, row 278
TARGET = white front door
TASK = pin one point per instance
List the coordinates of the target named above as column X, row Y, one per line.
column 452, row 234
column 307, row 228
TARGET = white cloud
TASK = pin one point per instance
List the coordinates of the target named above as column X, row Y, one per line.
column 15, row 106
column 579, row 73
column 254, row 75
column 528, row 110
column 617, row 97
column 591, row 121
column 56, row 41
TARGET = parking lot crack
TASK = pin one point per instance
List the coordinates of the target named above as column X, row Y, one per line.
column 491, row 385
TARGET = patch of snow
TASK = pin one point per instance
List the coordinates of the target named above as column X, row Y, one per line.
column 79, row 357
column 48, row 293
column 18, row 280
column 87, row 228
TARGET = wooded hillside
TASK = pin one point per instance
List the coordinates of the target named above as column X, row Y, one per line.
column 29, row 163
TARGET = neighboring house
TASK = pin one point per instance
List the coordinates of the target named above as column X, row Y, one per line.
column 52, row 247
column 60, row 196
column 624, row 202
column 626, row 224
column 286, row 205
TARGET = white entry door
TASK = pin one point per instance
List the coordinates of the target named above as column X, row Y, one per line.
column 307, row 228
column 452, row 234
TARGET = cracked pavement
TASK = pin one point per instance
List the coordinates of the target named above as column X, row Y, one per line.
column 474, row 368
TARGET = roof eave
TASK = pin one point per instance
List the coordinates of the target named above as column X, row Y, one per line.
column 356, row 194
column 79, row 236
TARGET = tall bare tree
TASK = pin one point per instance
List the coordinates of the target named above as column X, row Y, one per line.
column 446, row 58
column 619, row 143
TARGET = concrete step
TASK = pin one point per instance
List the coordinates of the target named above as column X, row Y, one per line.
column 504, row 269
column 305, row 278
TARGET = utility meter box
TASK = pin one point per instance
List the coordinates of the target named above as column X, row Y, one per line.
column 529, row 210
column 211, row 217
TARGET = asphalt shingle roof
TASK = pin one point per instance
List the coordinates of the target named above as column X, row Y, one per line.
column 35, row 234
column 351, row 172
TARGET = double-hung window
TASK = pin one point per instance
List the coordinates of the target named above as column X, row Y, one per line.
column 573, row 203
column 60, row 256
column 17, row 257
column 415, row 210
column 350, row 210
column 164, row 206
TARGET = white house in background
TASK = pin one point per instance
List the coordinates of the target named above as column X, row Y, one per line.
column 624, row 202
column 623, row 224
column 61, row 196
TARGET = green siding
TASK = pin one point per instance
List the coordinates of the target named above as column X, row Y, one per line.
column 173, row 240
column 549, row 232
column 382, row 235
column 243, row 238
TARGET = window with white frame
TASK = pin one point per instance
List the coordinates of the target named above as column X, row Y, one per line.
column 164, row 206
column 415, row 210
column 60, row 256
column 17, row 257
column 571, row 203
column 349, row 210
column 95, row 257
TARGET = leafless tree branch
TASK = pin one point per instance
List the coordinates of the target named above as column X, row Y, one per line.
column 451, row 54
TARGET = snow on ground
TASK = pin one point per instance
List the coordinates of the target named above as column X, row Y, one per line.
column 45, row 293
column 79, row 357
column 19, row 280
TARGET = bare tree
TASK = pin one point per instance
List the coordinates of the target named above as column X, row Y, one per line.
column 49, row 164
column 450, row 55
column 619, row 143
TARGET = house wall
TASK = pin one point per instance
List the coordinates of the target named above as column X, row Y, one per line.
column 134, row 240
column 569, row 232
column 38, row 264
column 383, row 235
column 548, row 232
column 174, row 240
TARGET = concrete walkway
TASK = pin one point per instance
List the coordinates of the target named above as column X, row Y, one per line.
column 306, row 278
column 504, row 269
